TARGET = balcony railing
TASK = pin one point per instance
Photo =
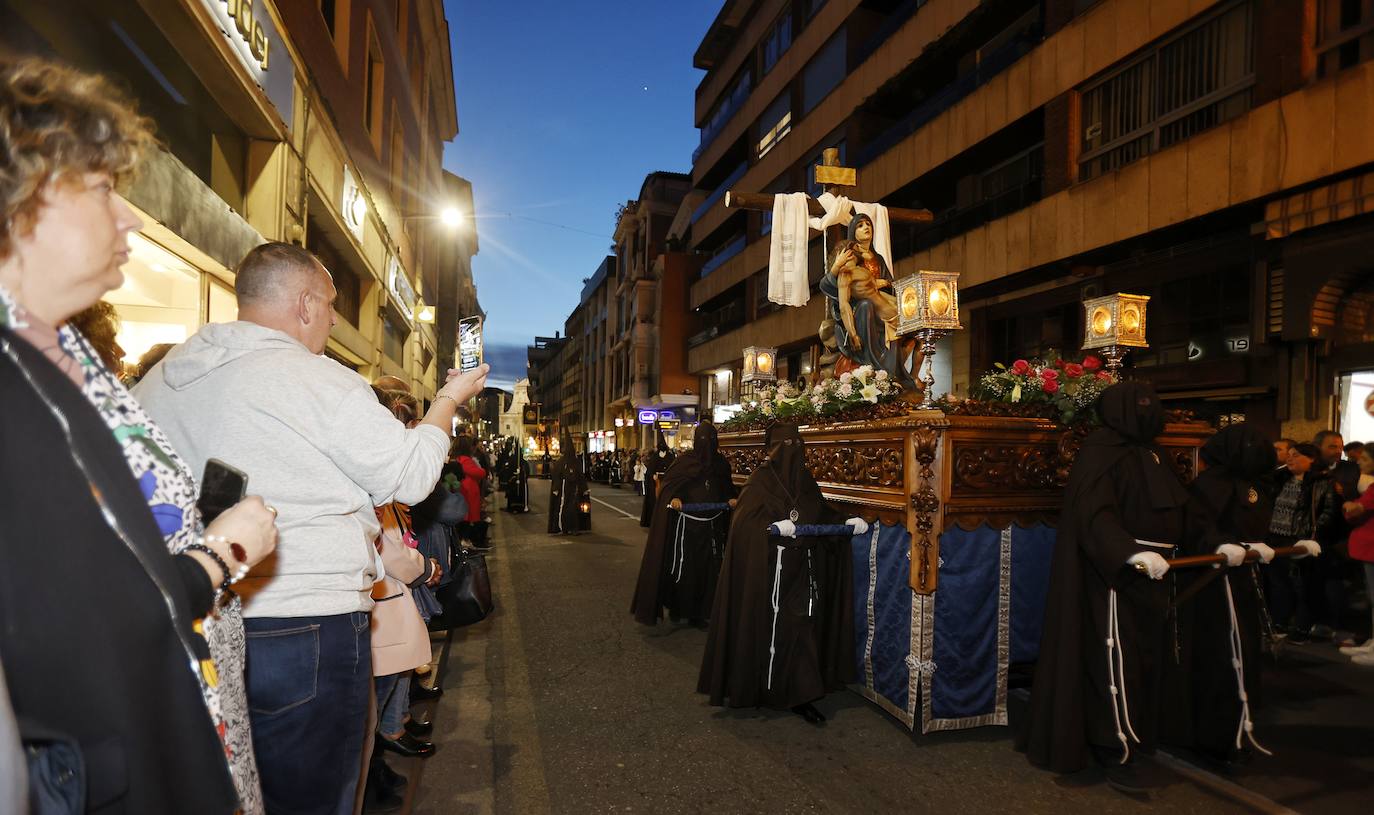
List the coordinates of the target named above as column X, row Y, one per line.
column 991, row 64
column 724, row 186
column 1004, row 189
column 726, row 252
column 720, row 118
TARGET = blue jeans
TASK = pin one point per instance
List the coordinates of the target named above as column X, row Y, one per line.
column 393, row 700
column 309, row 679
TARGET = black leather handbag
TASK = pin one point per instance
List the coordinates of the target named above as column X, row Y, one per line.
column 467, row 597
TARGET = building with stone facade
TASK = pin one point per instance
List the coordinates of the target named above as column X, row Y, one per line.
column 319, row 123
column 647, row 370
column 1213, row 154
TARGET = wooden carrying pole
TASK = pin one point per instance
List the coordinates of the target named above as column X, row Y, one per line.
column 1198, row 561
column 763, row 202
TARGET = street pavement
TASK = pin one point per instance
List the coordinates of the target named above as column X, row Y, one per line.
column 560, row 702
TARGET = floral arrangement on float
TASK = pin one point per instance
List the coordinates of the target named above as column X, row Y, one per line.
column 1051, row 388
column 831, row 399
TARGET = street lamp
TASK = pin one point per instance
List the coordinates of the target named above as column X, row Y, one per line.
column 452, row 217
column 1112, row 324
column 928, row 305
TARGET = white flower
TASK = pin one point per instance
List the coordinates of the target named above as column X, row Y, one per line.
column 846, row 377
column 870, row 393
column 881, row 376
column 846, row 389
column 864, row 370
column 819, row 389
column 816, row 400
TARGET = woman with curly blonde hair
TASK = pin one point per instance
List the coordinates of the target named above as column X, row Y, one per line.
column 119, row 632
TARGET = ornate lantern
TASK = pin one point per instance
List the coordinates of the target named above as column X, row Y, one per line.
column 928, row 305
column 760, row 364
column 1113, row 323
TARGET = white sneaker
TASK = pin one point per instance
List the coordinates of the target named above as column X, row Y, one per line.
column 1363, row 659
column 1352, row 650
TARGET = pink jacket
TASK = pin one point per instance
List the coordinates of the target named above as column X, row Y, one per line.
column 1362, row 536
column 400, row 640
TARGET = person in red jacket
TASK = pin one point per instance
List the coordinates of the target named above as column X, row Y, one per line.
column 1359, row 514
column 473, row 529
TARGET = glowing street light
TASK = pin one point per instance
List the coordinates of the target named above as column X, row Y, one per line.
column 452, row 217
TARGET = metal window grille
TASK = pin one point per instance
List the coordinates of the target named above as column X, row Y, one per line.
column 1345, row 34
column 1188, row 83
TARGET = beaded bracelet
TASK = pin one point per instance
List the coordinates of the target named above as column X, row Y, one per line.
column 235, row 550
column 199, row 546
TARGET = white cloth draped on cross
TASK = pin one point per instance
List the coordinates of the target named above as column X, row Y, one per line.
column 789, row 273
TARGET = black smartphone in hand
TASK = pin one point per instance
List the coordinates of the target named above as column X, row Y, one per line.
column 221, row 486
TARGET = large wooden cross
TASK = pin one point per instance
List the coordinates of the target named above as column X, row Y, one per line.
column 835, row 179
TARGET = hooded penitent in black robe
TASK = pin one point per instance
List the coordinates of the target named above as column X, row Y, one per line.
column 1120, row 492
column 655, row 463
column 683, row 552
column 814, row 632
column 518, row 484
column 1226, row 504
column 568, row 493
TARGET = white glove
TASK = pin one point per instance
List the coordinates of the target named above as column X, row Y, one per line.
column 1312, row 548
column 1151, row 563
column 1265, row 552
column 1235, row 555
column 786, row 529
column 859, row 524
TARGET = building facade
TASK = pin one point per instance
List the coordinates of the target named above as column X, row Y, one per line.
column 648, row 366
column 545, row 359
column 279, row 121
column 1213, row 155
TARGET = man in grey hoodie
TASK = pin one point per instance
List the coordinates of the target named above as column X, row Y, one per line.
column 258, row 395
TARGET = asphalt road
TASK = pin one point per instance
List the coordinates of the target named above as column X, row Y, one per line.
column 560, row 702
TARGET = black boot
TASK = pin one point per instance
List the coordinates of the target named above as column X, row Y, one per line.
column 809, row 712
column 420, row 693
column 378, row 797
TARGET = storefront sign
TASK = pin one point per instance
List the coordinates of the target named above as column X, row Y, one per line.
column 248, row 27
column 469, row 343
column 399, row 285
column 669, row 424
column 667, row 414
column 353, row 205
column 619, row 422
column 648, row 416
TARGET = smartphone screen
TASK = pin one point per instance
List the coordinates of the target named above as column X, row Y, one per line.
column 221, row 486
column 469, row 343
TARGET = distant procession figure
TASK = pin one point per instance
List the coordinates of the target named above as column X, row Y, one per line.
column 682, row 555
column 782, row 627
column 570, row 499
column 655, row 463
column 1098, row 677
column 518, row 482
column 616, row 476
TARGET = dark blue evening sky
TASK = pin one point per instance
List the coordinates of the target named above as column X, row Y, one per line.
column 563, row 108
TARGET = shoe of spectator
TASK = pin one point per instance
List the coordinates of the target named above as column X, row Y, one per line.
column 1363, row 659
column 391, row 779
column 1352, row 650
column 420, row 693
column 409, row 746
column 1322, row 632
column 419, row 729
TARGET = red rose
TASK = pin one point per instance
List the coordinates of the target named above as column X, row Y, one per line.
column 1092, row 363
column 1104, row 376
column 1073, row 369
column 1050, row 385
column 1020, row 366
column 1048, row 373
column 1059, row 363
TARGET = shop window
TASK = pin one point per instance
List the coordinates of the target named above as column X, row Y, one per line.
column 159, row 301
column 1182, row 86
column 1345, row 34
column 824, row 71
column 777, row 41
column 1200, row 317
column 775, row 123
column 221, row 304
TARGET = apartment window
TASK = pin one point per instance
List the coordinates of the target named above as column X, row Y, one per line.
column 329, row 9
column 810, row 7
column 777, row 41
column 775, row 123
column 1182, row 86
column 1345, row 34
column 395, row 332
column 374, row 80
column 823, row 72
column 397, row 154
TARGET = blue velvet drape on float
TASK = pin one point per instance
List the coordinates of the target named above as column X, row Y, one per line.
column 946, row 655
